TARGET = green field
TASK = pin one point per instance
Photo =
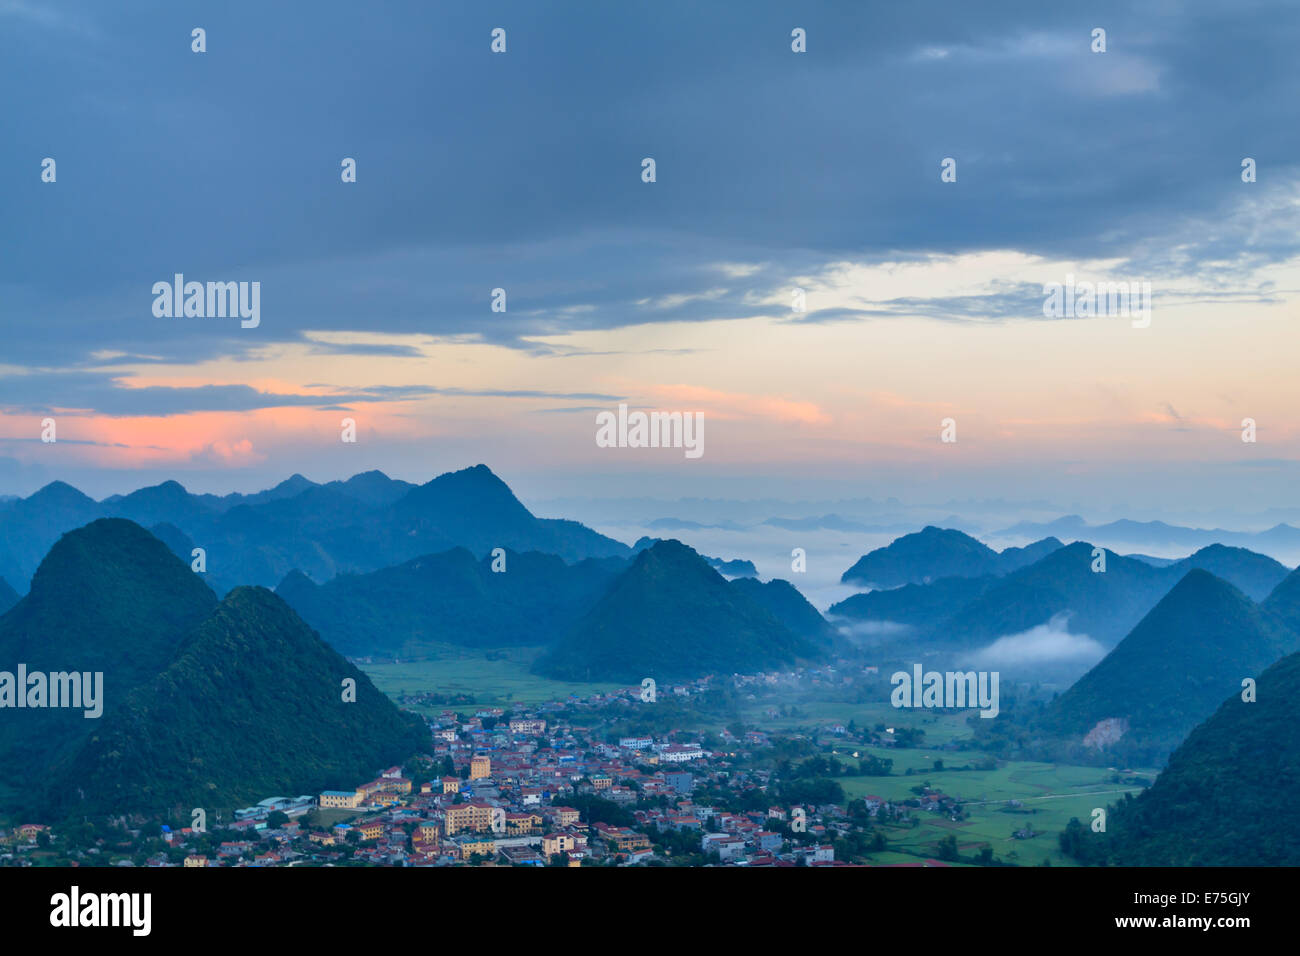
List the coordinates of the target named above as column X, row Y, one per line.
column 493, row 683
column 1049, row 794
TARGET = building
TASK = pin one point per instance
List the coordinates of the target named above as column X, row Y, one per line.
column 683, row 781
column 481, row 847
column 522, row 824
column 681, row 753
column 622, row 839
column 565, row 816
column 473, row 817
column 561, row 842
column 451, row 785
column 428, row 832
column 480, row 767
column 519, row 725
column 340, row 799
column 370, row 830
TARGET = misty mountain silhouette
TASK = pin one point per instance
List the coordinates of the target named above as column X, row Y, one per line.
column 670, row 616
column 1192, row 650
column 450, row 598
column 365, row 523
column 933, row 553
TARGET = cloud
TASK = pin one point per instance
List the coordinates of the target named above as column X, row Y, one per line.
column 1125, row 159
column 1049, row 643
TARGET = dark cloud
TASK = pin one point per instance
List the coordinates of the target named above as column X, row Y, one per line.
column 521, row 171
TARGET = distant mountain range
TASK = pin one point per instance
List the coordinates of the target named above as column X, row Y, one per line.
column 1154, row 534
column 975, row 610
column 405, row 567
column 670, row 616
column 450, row 598
column 203, row 704
column 363, row 524
column 933, row 553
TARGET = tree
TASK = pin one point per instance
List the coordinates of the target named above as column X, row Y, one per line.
column 948, row 848
column 276, row 819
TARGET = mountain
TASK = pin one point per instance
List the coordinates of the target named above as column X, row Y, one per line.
column 475, row 509
column 1013, row 559
column 450, row 598
column 166, row 503
column 1255, row 574
column 175, row 539
column 972, row 611
column 1192, row 650
column 670, row 616
column 923, row 606
column 783, row 601
column 8, row 596
column 735, row 567
column 368, row 522
column 940, row 553
column 30, row 526
column 373, row 488
column 1220, row 800
column 108, row 597
column 922, row 556
column 1280, row 537
column 1284, row 602
column 1105, row 605
column 252, row 707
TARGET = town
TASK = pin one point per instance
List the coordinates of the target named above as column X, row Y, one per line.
column 556, row 784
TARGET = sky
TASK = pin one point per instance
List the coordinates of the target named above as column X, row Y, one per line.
column 775, row 170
